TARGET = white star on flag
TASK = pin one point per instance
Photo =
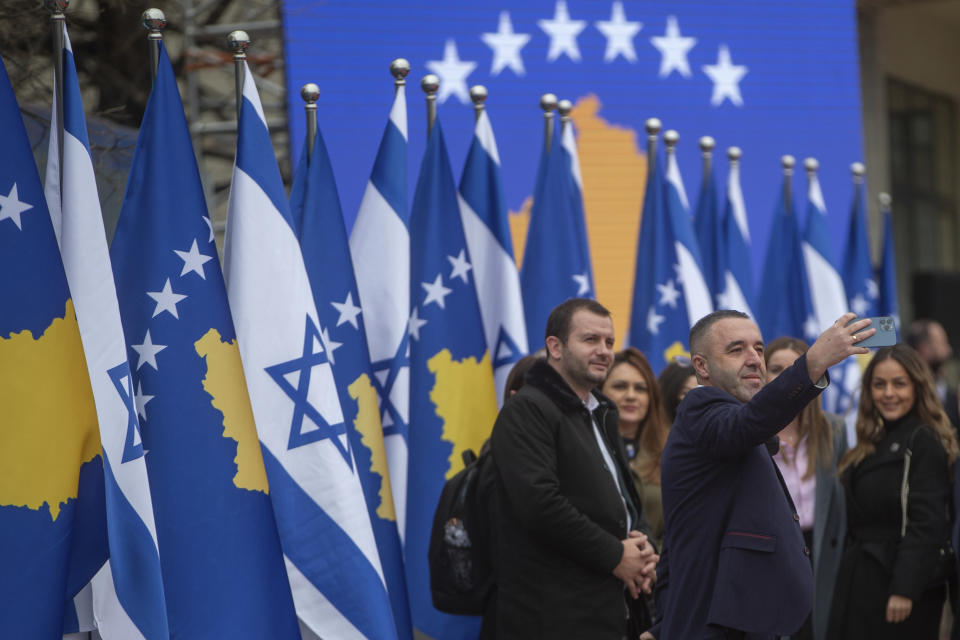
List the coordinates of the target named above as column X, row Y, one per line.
column 678, row 273
column 193, row 260
column 873, row 291
column 654, row 320
column 141, row 399
column 166, row 300
column 669, row 294
column 11, row 207
column 506, row 46
column 453, row 74
column 460, row 266
column 619, row 33
column 673, row 49
column 329, row 344
column 726, row 78
column 859, row 304
column 148, row 352
column 563, row 33
column 583, row 283
column 209, row 224
column 414, row 325
column 348, row 311
column 436, row 292
column 725, row 299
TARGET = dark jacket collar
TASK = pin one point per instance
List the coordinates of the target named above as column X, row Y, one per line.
column 548, row 380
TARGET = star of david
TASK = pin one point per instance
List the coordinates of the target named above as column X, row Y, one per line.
column 507, row 351
column 117, row 375
column 302, row 408
column 384, row 387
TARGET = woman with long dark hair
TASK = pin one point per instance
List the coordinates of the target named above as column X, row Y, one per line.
column 631, row 385
column 810, row 448
column 897, row 559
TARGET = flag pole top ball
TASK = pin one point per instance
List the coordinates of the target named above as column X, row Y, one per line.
column 885, row 199
column 788, row 161
column 399, row 69
column 653, row 126
column 564, row 107
column 811, row 165
column 153, row 20
column 734, row 153
column 310, row 92
column 430, row 84
column 478, row 94
column 707, row 144
column 56, row 6
column 858, row 169
column 548, row 102
column 239, row 41
column 671, row 138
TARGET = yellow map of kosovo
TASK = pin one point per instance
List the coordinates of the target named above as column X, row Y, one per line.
column 367, row 423
column 49, row 425
column 466, row 401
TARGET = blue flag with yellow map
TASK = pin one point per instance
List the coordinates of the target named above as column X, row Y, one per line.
column 318, row 224
column 452, row 399
column 222, row 567
column 49, row 443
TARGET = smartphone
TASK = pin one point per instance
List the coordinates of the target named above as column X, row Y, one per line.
column 886, row 335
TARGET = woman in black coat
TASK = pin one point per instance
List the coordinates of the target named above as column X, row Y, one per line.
column 897, row 480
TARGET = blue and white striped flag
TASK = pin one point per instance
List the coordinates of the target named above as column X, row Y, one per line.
column 331, row 555
column 380, row 248
column 223, row 570
column 318, row 223
column 737, row 291
column 128, row 598
column 689, row 273
column 827, row 294
column 487, row 229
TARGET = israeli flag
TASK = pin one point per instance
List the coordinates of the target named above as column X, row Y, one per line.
column 737, row 290
column 487, row 229
column 827, row 293
column 318, row 222
column 689, row 273
column 128, row 599
column 380, row 249
column 331, row 554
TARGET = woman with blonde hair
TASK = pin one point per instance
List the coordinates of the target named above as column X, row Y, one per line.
column 810, row 448
column 631, row 385
column 898, row 557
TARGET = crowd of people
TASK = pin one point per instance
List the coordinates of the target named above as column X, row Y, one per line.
column 720, row 500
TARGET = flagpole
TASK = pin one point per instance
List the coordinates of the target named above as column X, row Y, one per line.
column 858, row 170
column 811, row 165
column 58, row 24
column 430, row 84
column 478, row 94
column 652, row 126
column 548, row 102
column 707, row 144
column 239, row 42
column 310, row 92
column 563, row 108
column 154, row 22
column 670, row 140
column 885, row 200
column 733, row 155
column 788, row 163
column 399, row 69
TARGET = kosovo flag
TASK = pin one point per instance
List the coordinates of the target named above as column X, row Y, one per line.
column 452, row 399
column 318, row 223
column 49, row 443
column 888, row 304
column 858, row 276
column 223, row 569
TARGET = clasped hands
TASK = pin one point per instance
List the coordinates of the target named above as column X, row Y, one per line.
column 638, row 565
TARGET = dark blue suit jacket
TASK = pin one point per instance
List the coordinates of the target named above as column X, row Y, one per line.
column 737, row 558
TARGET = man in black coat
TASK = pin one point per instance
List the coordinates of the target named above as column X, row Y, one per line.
column 571, row 557
column 739, row 567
